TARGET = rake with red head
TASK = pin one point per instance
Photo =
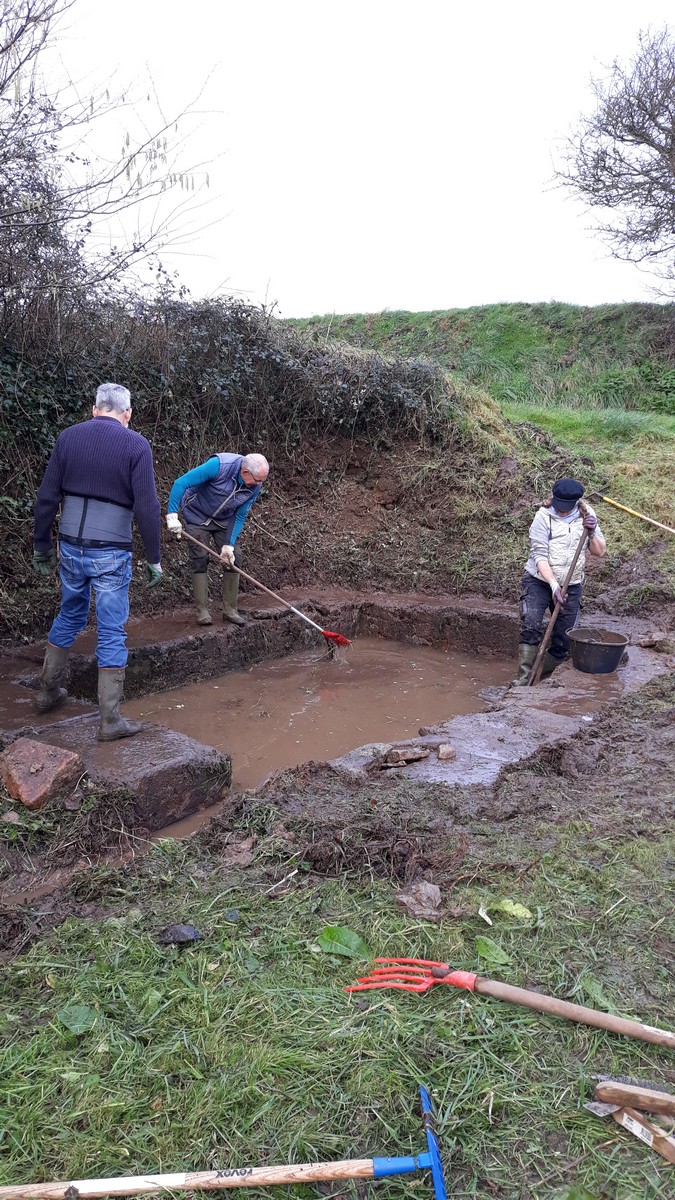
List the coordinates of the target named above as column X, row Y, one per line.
column 420, row 974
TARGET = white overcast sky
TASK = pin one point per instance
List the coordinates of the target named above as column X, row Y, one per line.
column 377, row 154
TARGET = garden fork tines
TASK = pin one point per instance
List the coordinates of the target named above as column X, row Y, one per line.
column 420, row 974
column 412, row 975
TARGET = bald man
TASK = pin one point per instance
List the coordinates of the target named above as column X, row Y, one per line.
column 213, row 500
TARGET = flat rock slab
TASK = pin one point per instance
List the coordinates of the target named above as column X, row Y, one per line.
column 484, row 744
column 35, row 773
column 165, row 775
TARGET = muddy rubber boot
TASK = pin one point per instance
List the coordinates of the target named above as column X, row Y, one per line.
column 549, row 665
column 200, row 591
column 230, row 593
column 53, row 669
column 526, row 657
column 110, row 688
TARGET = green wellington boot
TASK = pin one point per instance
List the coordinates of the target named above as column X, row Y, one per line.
column 549, row 665
column 200, row 591
column 526, row 657
column 53, row 669
column 230, row 593
column 110, row 688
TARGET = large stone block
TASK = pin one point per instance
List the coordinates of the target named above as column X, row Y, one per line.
column 35, row 773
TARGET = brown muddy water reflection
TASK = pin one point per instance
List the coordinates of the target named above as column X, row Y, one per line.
column 307, row 706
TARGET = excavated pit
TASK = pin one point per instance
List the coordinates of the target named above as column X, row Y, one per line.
column 317, row 705
column 461, row 650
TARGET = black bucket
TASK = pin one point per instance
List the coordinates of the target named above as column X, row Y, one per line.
column 596, row 651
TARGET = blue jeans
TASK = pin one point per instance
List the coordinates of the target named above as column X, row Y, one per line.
column 109, row 571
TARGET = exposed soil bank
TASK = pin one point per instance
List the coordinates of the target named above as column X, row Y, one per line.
column 171, row 650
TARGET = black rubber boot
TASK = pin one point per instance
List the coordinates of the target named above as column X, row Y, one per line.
column 526, row 657
column 110, row 688
column 53, row 669
column 230, row 593
column 200, row 591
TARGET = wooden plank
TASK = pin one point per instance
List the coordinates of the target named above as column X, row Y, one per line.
column 632, row 1096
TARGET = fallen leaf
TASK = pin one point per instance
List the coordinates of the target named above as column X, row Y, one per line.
column 337, row 939
column 78, row 1018
column 512, row 909
column 482, row 912
column 490, row 951
column 422, row 900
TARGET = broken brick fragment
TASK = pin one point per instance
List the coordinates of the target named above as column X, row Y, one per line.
column 35, row 773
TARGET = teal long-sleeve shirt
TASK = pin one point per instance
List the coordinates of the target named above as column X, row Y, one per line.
column 203, row 474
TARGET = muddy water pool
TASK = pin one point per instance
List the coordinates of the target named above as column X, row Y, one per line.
column 307, row 706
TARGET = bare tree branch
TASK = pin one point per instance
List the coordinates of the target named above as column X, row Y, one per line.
column 621, row 160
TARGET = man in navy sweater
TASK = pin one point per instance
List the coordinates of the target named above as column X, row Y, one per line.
column 213, row 500
column 101, row 475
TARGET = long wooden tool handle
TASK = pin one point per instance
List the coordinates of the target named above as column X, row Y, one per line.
column 573, row 1012
column 255, row 582
column 537, row 665
column 210, row 1181
column 611, row 1091
column 639, row 515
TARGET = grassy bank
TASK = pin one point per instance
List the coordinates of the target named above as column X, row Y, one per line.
column 614, row 355
column 600, row 381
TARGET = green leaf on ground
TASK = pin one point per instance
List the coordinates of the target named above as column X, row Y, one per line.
column 78, row 1018
column 513, row 909
column 337, row 939
column 490, row 951
column 592, row 990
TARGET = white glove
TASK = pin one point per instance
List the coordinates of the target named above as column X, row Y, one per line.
column 227, row 556
column 173, row 524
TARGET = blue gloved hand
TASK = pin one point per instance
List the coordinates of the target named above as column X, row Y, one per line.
column 590, row 523
column 153, row 574
column 44, row 561
column 557, row 593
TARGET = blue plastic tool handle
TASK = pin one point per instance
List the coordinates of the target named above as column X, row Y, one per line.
column 420, row 1162
column 432, row 1143
column 400, row 1166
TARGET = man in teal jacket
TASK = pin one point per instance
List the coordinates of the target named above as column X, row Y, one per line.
column 213, row 501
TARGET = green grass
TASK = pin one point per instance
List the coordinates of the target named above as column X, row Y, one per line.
column 610, row 356
column 244, row 1048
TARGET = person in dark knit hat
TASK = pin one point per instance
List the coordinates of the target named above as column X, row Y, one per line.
column 554, row 537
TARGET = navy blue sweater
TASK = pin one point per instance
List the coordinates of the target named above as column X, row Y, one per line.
column 103, row 460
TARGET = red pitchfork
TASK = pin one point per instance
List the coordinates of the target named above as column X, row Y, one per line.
column 337, row 638
column 420, row 974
